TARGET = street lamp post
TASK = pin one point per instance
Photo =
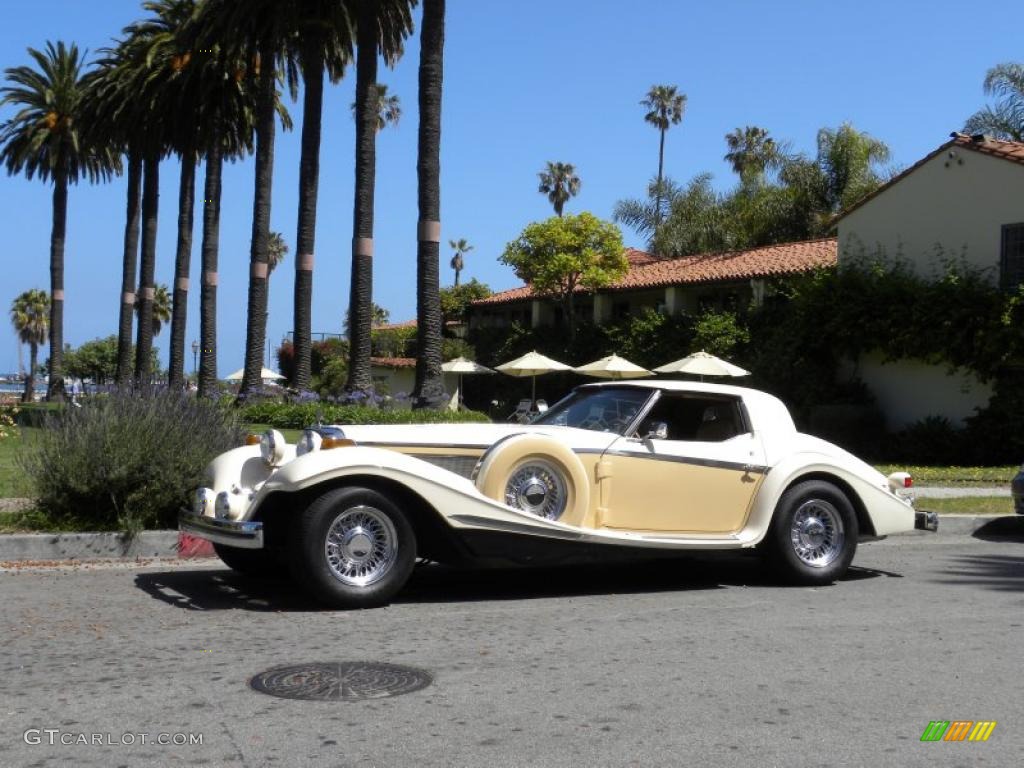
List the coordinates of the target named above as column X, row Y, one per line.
column 195, row 355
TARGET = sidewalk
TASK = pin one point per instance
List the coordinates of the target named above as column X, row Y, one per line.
column 931, row 492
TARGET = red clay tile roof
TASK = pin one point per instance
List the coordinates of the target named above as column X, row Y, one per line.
column 395, row 326
column 649, row 272
column 1005, row 150
column 394, row 362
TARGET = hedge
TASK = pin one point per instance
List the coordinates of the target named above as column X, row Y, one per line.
column 301, row 415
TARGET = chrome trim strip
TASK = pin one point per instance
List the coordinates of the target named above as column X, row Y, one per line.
column 244, row 534
column 451, row 446
column 756, row 469
column 509, row 527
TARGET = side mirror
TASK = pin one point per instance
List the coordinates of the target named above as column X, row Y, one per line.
column 658, row 430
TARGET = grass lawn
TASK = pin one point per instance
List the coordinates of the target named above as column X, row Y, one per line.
column 12, row 480
column 969, row 505
column 291, row 435
column 954, row 476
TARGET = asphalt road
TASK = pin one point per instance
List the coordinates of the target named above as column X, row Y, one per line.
column 694, row 662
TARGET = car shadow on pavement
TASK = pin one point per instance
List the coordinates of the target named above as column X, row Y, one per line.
column 999, row 572
column 212, row 590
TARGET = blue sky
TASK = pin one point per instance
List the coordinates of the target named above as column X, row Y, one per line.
column 525, row 82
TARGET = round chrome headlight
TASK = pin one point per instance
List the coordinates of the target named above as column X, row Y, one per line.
column 310, row 441
column 222, row 506
column 272, row 445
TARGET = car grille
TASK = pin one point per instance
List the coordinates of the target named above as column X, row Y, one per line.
column 460, row 465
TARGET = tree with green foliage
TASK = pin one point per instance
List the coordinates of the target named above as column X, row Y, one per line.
column 455, row 300
column 95, row 360
column 461, row 248
column 560, row 255
column 665, row 107
column 751, row 153
column 161, row 311
column 388, row 108
column 559, row 181
column 30, row 317
column 1004, row 119
column 44, row 138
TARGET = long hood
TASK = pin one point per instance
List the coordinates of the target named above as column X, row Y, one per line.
column 480, row 436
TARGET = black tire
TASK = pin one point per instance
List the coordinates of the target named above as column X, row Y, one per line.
column 386, row 551
column 813, row 535
column 248, row 562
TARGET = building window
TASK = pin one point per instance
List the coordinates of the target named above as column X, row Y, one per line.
column 1011, row 262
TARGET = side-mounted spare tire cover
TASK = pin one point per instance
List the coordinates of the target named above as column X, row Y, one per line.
column 537, row 474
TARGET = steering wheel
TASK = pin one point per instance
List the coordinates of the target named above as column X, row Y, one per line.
column 595, row 422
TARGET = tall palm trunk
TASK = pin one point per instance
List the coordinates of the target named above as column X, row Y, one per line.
column 360, row 313
column 29, row 395
column 182, row 266
column 429, row 390
column 309, row 180
column 208, row 290
column 147, row 268
column 55, row 388
column 130, row 261
column 256, row 319
column 661, row 166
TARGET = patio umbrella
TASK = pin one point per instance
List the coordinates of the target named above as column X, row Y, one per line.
column 613, row 367
column 702, row 364
column 462, row 366
column 266, row 375
column 532, row 364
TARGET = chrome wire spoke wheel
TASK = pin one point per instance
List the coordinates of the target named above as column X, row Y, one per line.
column 817, row 533
column 537, row 487
column 361, row 546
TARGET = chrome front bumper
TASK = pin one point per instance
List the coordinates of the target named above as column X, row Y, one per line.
column 243, row 534
column 926, row 521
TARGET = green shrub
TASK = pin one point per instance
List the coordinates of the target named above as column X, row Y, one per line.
column 126, row 461
column 300, row 415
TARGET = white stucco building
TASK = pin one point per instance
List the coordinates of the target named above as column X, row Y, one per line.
column 964, row 200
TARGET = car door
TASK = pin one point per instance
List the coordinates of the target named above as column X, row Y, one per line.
column 692, row 465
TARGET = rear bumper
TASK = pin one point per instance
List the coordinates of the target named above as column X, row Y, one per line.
column 244, row 534
column 926, row 521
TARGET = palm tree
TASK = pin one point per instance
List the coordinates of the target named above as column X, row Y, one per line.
column 461, row 248
column 1005, row 119
column 428, row 391
column 389, row 108
column 29, row 313
column 43, row 138
column 253, row 32
column 751, row 152
column 104, row 116
column 559, row 182
column 381, row 25
column 277, row 249
column 325, row 42
column 848, row 160
column 665, row 107
column 162, row 311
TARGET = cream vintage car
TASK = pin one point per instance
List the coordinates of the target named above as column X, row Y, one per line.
column 613, row 469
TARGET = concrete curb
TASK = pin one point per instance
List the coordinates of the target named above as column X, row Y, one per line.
column 172, row 544
column 95, row 546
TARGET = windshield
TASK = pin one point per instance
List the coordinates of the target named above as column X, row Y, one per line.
column 602, row 409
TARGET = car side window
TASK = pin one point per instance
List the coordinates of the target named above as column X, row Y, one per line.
column 696, row 418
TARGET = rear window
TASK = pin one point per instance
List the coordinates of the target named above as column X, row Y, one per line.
column 700, row 417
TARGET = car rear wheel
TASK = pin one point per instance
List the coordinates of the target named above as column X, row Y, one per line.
column 248, row 562
column 813, row 535
column 352, row 548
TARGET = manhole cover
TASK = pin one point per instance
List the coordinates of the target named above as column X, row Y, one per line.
column 341, row 681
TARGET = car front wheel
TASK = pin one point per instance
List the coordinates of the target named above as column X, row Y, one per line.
column 813, row 535
column 352, row 548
